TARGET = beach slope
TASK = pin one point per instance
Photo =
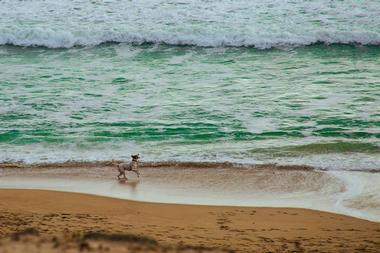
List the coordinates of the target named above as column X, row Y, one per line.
column 52, row 220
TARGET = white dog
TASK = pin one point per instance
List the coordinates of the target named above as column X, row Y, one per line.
column 132, row 166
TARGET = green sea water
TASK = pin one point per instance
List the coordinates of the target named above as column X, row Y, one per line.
column 316, row 105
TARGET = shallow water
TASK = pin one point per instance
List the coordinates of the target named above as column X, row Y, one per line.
column 351, row 193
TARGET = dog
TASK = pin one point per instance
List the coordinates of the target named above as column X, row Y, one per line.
column 132, row 166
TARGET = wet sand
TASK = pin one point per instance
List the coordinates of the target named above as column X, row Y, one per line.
column 351, row 193
column 59, row 216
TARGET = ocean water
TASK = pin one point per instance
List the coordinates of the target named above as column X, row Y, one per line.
column 287, row 82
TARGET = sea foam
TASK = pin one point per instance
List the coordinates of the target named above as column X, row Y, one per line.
column 240, row 23
column 66, row 39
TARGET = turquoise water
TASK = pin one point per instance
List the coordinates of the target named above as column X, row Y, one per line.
column 317, row 105
column 273, row 82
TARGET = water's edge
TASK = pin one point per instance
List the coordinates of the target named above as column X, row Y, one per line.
column 170, row 164
column 345, row 192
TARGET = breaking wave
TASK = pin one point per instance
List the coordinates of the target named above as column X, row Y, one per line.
column 38, row 37
column 239, row 23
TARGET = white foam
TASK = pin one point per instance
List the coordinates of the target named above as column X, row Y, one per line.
column 66, row 39
column 361, row 194
column 215, row 152
column 262, row 24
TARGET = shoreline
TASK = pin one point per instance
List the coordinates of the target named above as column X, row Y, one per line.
column 350, row 193
column 173, row 164
column 156, row 164
column 241, row 229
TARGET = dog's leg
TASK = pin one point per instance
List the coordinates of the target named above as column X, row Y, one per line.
column 137, row 172
column 120, row 171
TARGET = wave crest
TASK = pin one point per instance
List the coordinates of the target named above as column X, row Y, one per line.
column 67, row 39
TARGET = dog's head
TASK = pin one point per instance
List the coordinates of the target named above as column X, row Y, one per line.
column 135, row 157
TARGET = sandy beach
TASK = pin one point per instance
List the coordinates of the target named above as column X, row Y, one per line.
column 53, row 221
column 237, row 126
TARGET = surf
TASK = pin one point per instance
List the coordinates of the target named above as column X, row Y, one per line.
column 67, row 39
column 259, row 24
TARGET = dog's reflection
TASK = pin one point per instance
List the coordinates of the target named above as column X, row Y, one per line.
column 132, row 184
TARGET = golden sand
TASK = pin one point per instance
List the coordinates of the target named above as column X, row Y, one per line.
column 69, row 217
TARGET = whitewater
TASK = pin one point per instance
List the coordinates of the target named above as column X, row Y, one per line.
column 260, row 24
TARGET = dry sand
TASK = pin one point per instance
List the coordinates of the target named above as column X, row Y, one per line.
column 48, row 221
